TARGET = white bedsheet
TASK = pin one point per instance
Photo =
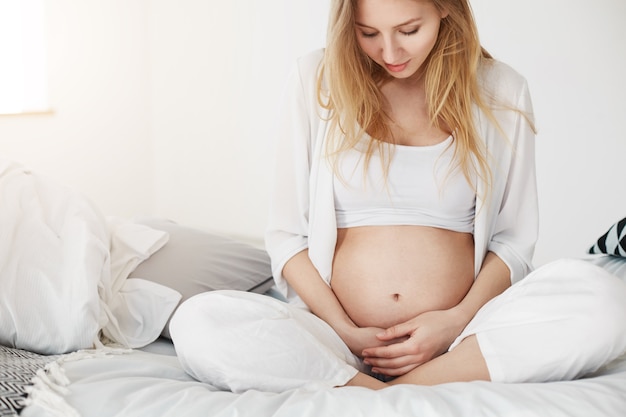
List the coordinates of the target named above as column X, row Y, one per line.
column 151, row 383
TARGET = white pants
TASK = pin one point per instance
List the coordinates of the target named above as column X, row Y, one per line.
column 562, row 321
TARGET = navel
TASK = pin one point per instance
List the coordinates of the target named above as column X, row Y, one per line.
column 396, row 297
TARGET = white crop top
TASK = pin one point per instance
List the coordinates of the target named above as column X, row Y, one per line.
column 419, row 189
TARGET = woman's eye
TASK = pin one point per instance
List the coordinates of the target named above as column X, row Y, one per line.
column 368, row 34
column 410, row 32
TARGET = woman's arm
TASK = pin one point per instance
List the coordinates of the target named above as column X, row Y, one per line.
column 492, row 280
column 302, row 276
column 288, row 221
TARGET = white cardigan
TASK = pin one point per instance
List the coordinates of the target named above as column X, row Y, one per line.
column 302, row 212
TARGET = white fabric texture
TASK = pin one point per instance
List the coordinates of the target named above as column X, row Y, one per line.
column 58, row 273
column 302, row 212
column 239, row 341
column 563, row 321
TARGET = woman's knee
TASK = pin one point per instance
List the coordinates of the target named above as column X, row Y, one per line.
column 565, row 321
column 241, row 341
column 205, row 313
column 606, row 310
column 211, row 330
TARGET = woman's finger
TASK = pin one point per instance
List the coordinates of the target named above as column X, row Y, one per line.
column 398, row 331
column 396, row 350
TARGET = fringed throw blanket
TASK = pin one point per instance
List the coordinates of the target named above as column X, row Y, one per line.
column 17, row 370
column 27, row 378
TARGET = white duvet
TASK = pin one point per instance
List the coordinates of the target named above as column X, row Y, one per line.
column 63, row 270
column 151, row 383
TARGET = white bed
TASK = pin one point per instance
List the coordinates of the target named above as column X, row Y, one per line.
column 150, row 382
column 113, row 280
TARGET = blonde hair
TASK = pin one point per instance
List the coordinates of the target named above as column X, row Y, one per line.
column 352, row 86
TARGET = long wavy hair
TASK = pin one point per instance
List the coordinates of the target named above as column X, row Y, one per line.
column 349, row 86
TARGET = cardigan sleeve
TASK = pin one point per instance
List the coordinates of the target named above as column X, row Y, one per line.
column 516, row 224
column 288, row 222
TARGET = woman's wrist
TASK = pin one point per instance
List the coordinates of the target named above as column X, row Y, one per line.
column 344, row 327
column 462, row 316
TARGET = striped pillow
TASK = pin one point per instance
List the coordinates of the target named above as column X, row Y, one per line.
column 613, row 242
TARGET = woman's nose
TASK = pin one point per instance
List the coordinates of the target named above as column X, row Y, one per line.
column 390, row 50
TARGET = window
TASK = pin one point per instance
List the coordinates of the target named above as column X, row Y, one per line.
column 23, row 74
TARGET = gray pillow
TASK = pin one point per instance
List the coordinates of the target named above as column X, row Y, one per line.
column 195, row 261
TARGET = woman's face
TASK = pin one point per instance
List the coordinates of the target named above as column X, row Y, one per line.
column 397, row 34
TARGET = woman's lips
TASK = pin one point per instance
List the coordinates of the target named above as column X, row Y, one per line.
column 396, row 68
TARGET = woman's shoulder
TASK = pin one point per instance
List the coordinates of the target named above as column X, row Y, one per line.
column 308, row 65
column 501, row 81
column 312, row 59
column 303, row 77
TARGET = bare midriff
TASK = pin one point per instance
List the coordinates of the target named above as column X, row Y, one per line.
column 385, row 275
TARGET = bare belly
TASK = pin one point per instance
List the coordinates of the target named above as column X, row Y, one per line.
column 384, row 275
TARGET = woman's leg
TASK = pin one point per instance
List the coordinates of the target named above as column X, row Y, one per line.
column 238, row 341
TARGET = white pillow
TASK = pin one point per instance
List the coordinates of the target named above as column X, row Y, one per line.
column 137, row 309
column 64, row 269
column 54, row 253
column 139, row 312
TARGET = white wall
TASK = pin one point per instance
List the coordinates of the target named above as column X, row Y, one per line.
column 573, row 54
column 218, row 72
column 98, row 139
column 167, row 107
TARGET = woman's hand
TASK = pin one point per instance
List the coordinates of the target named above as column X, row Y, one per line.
column 360, row 338
column 421, row 339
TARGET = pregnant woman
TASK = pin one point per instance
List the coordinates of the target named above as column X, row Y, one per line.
column 402, row 226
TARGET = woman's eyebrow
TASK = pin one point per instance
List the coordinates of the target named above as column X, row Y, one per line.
column 408, row 22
